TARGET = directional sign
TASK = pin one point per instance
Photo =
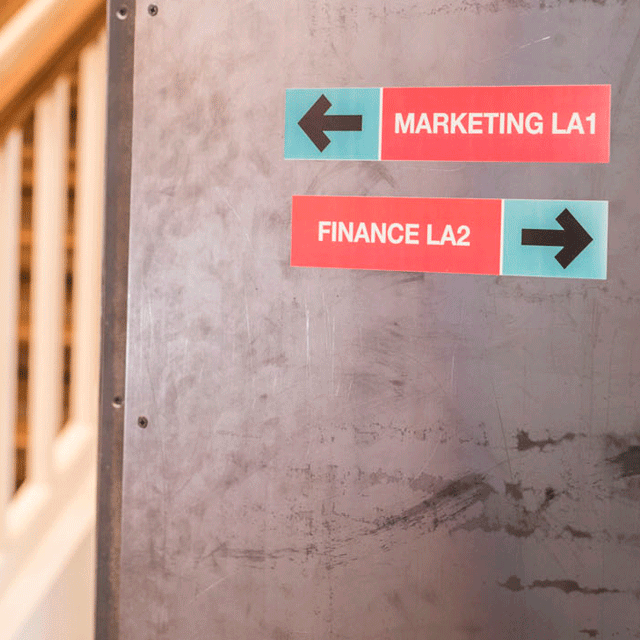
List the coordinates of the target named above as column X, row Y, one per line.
column 573, row 238
column 315, row 122
column 480, row 124
column 534, row 230
column 332, row 124
column 452, row 235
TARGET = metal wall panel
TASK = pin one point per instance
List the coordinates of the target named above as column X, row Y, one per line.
column 371, row 455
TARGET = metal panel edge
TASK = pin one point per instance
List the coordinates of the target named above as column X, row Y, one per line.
column 121, row 26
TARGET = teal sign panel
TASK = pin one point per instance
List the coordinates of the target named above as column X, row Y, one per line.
column 332, row 124
column 555, row 238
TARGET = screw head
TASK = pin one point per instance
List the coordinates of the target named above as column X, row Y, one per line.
column 153, row 9
column 142, row 422
column 117, row 402
column 122, row 13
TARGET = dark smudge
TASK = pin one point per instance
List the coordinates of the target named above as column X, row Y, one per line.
column 258, row 555
column 628, row 461
column 510, row 515
column 513, row 584
column 471, row 630
column 450, row 501
column 575, row 533
column 524, row 441
column 568, row 586
column 514, row 490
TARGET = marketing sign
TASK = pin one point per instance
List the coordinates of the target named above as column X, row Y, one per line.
column 568, row 123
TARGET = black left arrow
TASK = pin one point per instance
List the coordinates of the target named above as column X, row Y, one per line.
column 314, row 123
column 573, row 238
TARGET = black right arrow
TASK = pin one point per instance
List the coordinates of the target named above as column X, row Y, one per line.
column 314, row 123
column 573, row 238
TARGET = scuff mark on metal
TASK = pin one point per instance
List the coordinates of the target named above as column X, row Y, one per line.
column 491, row 6
column 524, row 441
column 575, row 533
column 568, row 586
column 261, row 555
column 515, row 50
column 633, row 539
column 509, row 515
column 514, row 490
column 470, row 629
column 447, row 503
column 628, row 71
column 592, row 633
column 211, row 586
column 628, row 461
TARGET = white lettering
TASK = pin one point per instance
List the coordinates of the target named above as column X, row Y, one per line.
column 475, row 126
column 381, row 233
column 554, row 122
column 535, row 127
column 592, row 123
column 462, row 240
column 411, row 236
column 423, row 123
column 362, row 233
column 323, row 229
column 491, row 118
column 430, row 240
column 575, row 124
column 456, row 122
column 345, row 232
column 399, row 238
column 484, row 123
column 369, row 232
column 516, row 124
column 447, row 235
column 406, row 125
column 441, row 120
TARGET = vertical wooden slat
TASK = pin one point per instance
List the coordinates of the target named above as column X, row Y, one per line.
column 85, row 365
column 10, row 202
column 51, row 158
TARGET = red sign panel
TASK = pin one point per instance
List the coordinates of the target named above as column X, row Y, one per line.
column 497, row 124
column 397, row 234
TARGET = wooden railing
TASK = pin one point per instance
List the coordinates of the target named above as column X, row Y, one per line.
column 51, row 210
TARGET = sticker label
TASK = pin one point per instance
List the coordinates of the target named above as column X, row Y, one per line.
column 552, row 238
column 555, row 238
column 332, row 124
column 479, row 124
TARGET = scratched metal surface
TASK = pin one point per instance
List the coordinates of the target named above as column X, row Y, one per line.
column 357, row 455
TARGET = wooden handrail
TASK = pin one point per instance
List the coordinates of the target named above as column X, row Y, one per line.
column 31, row 38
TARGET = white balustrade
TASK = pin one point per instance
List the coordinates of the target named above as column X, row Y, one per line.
column 51, row 168
column 53, row 513
column 88, row 255
column 10, row 203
